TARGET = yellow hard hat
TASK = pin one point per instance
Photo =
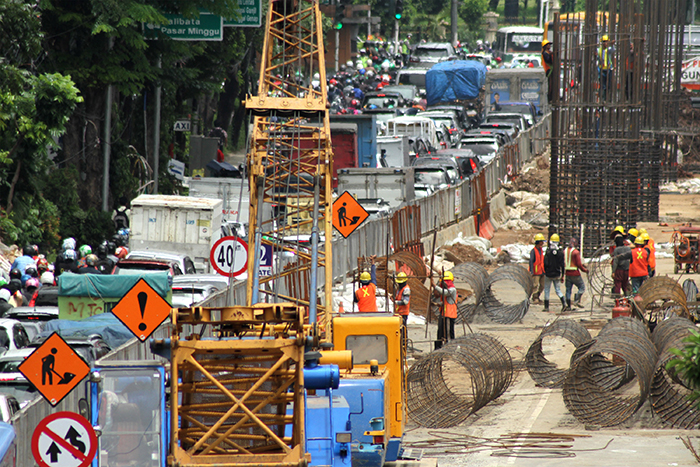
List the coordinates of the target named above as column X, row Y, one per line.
column 644, row 236
column 634, row 232
column 365, row 277
column 642, row 230
column 620, row 229
column 545, row 43
column 605, row 38
column 639, row 240
column 401, row 277
column 539, row 238
column 448, row 276
column 554, row 238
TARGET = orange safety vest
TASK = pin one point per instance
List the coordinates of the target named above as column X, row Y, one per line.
column 640, row 262
column 450, row 309
column 546, row 66
column 367, row 298
column 402, row 309
column 652, row 254
column 539, row 263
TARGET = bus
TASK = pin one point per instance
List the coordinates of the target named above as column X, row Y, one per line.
column 515, row 41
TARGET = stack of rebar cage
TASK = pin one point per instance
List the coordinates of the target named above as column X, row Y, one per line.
column 612, row 139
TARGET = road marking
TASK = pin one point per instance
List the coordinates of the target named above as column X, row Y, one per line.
column 533, row 418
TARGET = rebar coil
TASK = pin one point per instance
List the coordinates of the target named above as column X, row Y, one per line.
column 544, row 372
column 477, row 277
column 599, row 270
column 590, row 388
column 507, row 314
column 669, row 396
column 451, row 383
column 666, row 289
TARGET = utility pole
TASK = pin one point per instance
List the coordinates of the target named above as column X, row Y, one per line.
column 156, row 136
column 453, row 20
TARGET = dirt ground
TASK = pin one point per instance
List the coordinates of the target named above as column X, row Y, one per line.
column 530, row 425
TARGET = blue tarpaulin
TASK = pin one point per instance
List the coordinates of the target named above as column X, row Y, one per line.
column 454, row 80
column 108, row 286
column 106, row 325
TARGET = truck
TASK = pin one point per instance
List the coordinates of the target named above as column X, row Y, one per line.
column 393, row 185
column 235, row 195
column 394, row 150
column 176, row 223
column 459, row 82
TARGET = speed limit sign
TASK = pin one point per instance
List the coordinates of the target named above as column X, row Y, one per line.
column 229, row 256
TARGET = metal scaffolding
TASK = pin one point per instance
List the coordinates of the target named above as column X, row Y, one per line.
column 612, row 130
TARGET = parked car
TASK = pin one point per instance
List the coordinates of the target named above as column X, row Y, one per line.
column 186, row 295
column 185, row 263
column 428, row 54
column 91, row 348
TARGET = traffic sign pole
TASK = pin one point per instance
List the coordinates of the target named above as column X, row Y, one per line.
column 64, row 439
column 229, row 256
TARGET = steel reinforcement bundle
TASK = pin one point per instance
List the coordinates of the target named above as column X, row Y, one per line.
column 544, row 372
column 669, row 395
column 477, row 277
column 499, row 312
column 595, row 389
column 451, row 383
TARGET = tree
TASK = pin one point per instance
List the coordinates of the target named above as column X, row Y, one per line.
column 472, row 13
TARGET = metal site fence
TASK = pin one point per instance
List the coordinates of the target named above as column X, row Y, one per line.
column 401, row 229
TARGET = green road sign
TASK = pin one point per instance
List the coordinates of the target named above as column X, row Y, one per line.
column 249, row 15
column 207, row 27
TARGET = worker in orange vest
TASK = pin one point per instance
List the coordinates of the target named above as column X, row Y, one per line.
column 402, row 297
column 366, row 295
column 547, row 64
column 444, row 305
column 651, row 246
column 537, row 268
column 639, row 267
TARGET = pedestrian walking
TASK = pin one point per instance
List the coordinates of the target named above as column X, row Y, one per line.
column 553, row 271
column 537, row 268
column 572, row 272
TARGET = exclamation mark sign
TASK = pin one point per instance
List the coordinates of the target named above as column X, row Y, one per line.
column 143, row 298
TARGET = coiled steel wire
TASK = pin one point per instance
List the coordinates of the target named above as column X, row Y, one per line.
column 544, row 372
column 668, row 394
column 451, row 383
column 670, row 295
column 495, row 309
column 595, row 388
column 477, row 277
column 600, row 270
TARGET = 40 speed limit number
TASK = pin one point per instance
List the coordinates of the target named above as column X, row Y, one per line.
column 229, row 255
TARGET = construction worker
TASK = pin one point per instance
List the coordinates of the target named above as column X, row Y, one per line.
column 402, row 297
column 366, row 295
column 639, row 268
column 606, row 64
column 651, row 246
column 537, row 268
column 553, row 271
column 444, row 304
column 632, row 234
column 547, row 63
column 622, row 256
column 572, row 271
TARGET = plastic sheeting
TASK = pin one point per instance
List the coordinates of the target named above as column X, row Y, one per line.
column 106, row 325
column 108, row 286
column 454, row 80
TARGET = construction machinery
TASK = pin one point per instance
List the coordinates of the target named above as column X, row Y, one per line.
column 686, row 249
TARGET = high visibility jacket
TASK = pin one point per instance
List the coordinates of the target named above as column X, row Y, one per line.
column 538, row 264
column 568, row 260
column 450, row 309
column 604, row 58
column 367, row 298
column 640, row 262
column 402, row 308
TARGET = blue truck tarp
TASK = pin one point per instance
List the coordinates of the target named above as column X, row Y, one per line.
column 454, row 80
column 113, row 332
column 108, row 286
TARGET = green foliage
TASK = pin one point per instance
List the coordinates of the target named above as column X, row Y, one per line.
column 472, row 12
column 37, row 221
column 687, row 363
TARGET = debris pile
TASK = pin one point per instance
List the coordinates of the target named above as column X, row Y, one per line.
column 534, row 179
column 525, row 210
column 688, row 186
column 467, row 250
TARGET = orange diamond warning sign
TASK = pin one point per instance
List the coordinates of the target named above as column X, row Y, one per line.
column 54, row 368
column 348, row 214
column 142, row 310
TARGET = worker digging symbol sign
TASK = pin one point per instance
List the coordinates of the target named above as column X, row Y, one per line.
column 47, row 369
column 142, row 310
column 348, row 214
column 64, row 439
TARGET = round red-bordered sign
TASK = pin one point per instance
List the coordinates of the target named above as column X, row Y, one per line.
column 229, row 256
column 64, row 439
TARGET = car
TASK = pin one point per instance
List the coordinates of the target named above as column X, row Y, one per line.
column 186, row 295
column 10, row 360
column 484, row 148
column 448, row 119
column 469, row 162
column 435, row 178
column 216, row 280
column 144, row 266
column 526, row 109
column 466, row 117
column 90, row 348
column 501, row 136
column 422, row 190
column 408, row 91
column 504, row 117
column 428, row 54
column 8, row 407
column 33, row 318
column 13, row 383
column 382, row 100
column 185, row 263
column 415, row 77
column 13, row 336
column 511, row 129
column 446, row 164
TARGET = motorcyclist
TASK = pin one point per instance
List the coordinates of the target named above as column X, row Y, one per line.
column 26, row 259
